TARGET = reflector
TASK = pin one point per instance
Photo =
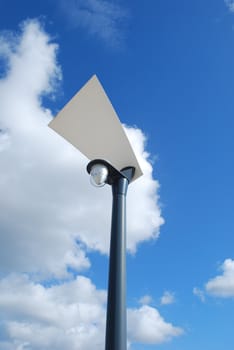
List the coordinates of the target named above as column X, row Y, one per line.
column 89, row 122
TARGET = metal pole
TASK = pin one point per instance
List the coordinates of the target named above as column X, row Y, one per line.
column 116, row 338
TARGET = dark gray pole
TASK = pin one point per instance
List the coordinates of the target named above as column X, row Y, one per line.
column 116, row 338
column 116, row 318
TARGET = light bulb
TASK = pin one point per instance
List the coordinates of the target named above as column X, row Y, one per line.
column 98, row 175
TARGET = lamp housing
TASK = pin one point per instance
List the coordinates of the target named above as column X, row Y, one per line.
column 102, row 172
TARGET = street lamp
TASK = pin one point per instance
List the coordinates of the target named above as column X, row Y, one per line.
column 90, row 123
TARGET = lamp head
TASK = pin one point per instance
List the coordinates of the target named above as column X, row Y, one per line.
column 102, row 172
column 98, row 175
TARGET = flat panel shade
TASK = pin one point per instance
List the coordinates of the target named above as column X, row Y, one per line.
column 89, row 122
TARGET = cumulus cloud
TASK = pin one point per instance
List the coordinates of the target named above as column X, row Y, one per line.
column 230, row 4
column 68, row 316
column 223, row 285
column 167, row 298
column 100, row 18
column 34, row 236
column 147, row 326
column 65, row 316
column 143, row 197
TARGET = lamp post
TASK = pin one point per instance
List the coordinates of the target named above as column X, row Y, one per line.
column 102, row 172
column 89, row 122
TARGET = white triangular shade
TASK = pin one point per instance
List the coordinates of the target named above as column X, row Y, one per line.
column 89, row 122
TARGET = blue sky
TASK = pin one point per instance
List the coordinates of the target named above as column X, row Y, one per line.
column 167, row 67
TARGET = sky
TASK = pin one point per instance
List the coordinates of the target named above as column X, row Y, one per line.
column 167, row 67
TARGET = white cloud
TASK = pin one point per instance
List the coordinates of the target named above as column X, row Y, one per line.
column 146, row 300
column 167, row 298
column 68, row 316
column 46, row 199
column 147, row 326
column 144, row 213
column 101, row 18
column 199, row 293
column 223, row 285
column 34, row 236
column 230, row 4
